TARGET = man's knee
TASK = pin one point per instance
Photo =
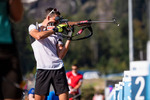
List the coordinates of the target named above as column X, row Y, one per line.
column 63, row 96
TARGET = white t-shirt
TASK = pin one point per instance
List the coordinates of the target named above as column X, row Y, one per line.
column 45, row 51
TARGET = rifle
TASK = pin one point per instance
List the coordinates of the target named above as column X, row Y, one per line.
column 83, row 24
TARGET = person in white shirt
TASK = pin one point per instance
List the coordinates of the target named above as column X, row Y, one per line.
column 49, row 51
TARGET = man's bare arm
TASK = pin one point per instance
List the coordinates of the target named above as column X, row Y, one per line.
column 63, row 50
column 78, row 85
column 40, row 35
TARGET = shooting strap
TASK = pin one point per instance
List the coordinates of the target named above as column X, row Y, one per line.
column 85, row 37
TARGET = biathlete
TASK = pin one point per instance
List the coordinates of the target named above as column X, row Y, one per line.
column 49, row 51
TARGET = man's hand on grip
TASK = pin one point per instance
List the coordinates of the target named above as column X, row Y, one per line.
column 60, row 28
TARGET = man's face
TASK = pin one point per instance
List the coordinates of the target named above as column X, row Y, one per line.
column 74, row 68
column 52, row 19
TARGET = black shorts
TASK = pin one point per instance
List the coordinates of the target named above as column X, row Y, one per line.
column 10, row 73
column 44, row 78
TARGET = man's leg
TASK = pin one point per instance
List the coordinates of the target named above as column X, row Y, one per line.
column 63, row 96
column 39, row 97
column 60, row 84
column 42, row 84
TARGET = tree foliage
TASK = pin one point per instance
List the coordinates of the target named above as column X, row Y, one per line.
column 107, row 50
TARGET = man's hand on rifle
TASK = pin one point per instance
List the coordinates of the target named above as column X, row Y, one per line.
column 70, row 32
column 60, row 28
column 64, row 27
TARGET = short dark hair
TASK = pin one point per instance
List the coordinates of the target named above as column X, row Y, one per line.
column 75, row 65
column 48, row 10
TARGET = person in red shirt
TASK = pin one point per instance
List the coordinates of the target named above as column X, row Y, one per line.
column 74, row 81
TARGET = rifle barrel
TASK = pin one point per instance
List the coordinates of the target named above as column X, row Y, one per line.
column 102, row 21
column 111, row 21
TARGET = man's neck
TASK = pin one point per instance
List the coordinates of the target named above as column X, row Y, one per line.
column 74, row 73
